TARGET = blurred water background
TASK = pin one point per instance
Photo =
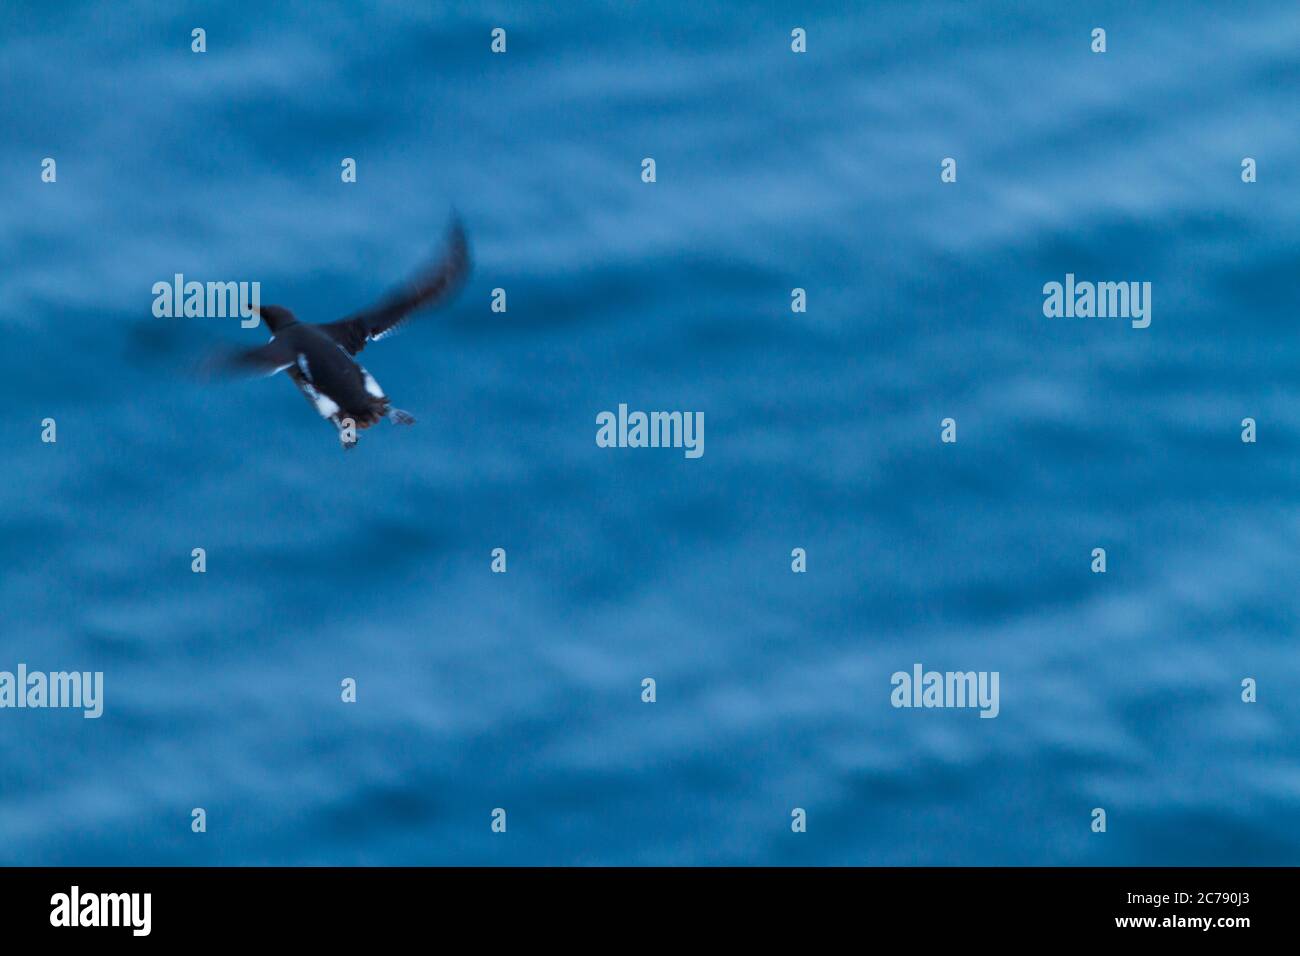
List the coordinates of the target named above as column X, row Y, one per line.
column 775, row 171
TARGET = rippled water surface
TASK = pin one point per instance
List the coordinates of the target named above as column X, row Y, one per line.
column 775, row 171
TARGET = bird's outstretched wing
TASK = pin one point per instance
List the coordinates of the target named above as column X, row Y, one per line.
column 264, row 360
column 435, row 284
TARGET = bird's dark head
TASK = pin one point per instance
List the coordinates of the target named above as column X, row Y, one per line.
column 276, row 317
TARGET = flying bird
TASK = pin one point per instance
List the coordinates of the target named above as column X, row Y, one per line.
column 319, row 357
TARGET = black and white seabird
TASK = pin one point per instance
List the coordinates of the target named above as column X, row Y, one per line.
column 319, row 357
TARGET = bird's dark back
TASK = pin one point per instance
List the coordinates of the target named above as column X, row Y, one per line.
column 332, row 369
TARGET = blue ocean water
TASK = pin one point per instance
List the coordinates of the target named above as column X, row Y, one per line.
column 774, row 171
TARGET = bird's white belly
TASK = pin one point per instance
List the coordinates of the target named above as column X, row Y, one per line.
column 327, row 407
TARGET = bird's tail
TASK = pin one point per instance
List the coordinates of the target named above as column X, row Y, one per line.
column 399, row 417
